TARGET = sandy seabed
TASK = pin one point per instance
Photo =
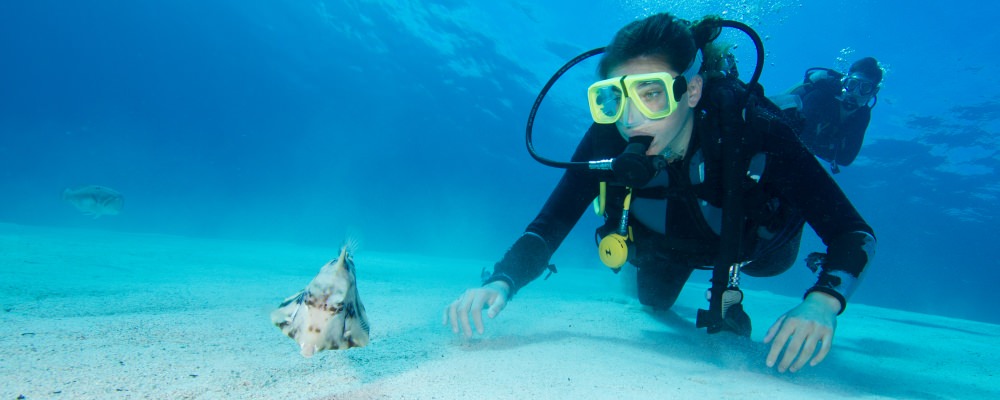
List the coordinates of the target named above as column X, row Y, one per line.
column 99, row 315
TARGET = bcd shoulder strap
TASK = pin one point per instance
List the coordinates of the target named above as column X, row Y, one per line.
column 724, row 108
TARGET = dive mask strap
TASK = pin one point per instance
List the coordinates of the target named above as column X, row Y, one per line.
column 695, row 66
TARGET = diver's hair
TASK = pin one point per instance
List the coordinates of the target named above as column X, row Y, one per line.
column 868, row 67
column 662, row 36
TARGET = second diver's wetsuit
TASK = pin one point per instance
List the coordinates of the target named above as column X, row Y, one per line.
column 822, row 127
column 675, row 218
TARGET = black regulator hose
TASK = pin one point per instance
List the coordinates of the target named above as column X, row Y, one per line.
column 538, row 102
column 758, row 45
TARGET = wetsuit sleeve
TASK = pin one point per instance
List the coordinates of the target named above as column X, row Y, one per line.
column 854, row 136
column 529, row 256
column 820, row 111
column 576, row 189
column 801, row 180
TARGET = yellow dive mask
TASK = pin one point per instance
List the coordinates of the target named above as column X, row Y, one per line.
column 655, row 95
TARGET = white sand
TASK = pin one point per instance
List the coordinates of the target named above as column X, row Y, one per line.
column 96, row 315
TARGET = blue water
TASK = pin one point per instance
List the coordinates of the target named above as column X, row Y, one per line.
column 403, row 123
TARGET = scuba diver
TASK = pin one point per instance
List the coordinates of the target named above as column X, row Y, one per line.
column 831, row 110
column 685, row 182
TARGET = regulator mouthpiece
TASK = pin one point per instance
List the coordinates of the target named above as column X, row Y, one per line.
column 633, row 168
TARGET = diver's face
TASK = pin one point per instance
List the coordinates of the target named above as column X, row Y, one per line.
column 857, row 90
column 663, row 130
column 851, row 102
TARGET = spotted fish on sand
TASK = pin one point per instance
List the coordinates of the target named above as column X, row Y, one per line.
column 328, row 313
column 95, row 200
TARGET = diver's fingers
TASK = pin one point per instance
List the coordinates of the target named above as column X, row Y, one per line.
column 792, row 351
column 453, row 315
column 478, row 303
column 778, row 342
column 826, row 342
column 808, row 348
column 774, row 329
column 496, row 305
column 463, row 312
column 448, row 314
column 444, row 314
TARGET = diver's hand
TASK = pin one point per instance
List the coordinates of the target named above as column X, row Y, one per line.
column 801, row 329
column 473, row 301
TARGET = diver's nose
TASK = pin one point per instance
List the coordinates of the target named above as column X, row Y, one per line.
column 632, row 115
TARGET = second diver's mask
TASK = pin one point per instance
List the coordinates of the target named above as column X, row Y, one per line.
column 857, row 91
column 860, row 86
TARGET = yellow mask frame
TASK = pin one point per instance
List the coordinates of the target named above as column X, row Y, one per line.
column 658, row 94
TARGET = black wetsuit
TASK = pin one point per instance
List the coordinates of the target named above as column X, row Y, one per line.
column 819, row 123
column 794, row 187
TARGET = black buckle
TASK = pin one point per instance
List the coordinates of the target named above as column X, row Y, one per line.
column 725, row 313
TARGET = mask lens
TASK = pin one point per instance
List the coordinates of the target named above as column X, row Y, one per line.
column 653, row 95
column 609, row 99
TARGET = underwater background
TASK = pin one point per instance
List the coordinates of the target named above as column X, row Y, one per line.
column 402, row 123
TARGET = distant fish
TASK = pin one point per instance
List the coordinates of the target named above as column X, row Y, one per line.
column 328, row 313
column 95, row 200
